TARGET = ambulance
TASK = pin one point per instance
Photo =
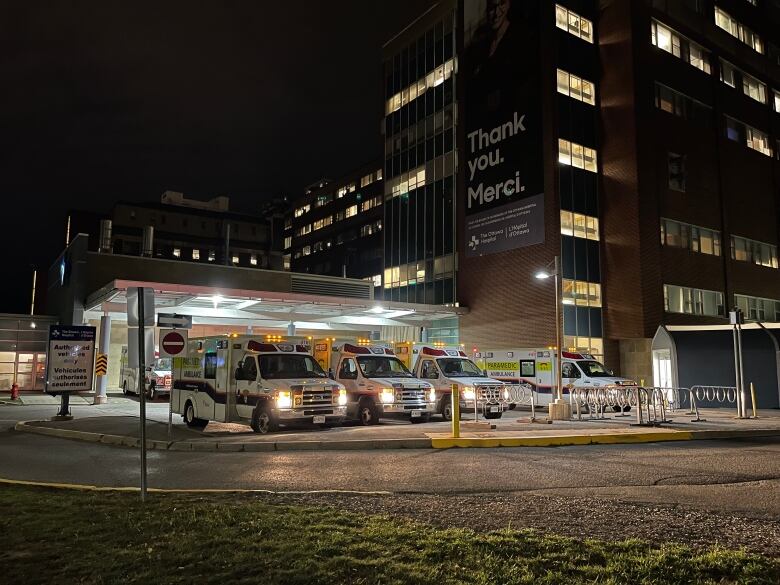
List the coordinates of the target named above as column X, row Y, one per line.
column 249, row 380
column 536, row 367
column 158, row 376
column 378, row 384
column 444, row 366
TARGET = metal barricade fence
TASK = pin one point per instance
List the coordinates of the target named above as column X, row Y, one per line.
column 503, row 396
column 650, row 404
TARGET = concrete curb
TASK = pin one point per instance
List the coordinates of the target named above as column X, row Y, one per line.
column 574, row 439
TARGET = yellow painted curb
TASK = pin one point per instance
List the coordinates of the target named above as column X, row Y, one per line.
column 561, row 441
column 97, row 488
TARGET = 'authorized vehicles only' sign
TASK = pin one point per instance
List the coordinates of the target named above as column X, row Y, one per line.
column 70, row 364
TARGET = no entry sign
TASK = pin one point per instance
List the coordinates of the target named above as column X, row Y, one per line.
column 173, row 343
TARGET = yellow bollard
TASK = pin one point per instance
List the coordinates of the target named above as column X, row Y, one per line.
column 642, row 383
column 455, row 403
column 753, row 398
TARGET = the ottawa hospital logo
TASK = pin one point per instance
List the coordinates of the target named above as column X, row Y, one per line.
column 474, row 243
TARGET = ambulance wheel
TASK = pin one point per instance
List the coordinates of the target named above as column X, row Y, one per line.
column 263, row 420
column 421, row 419
column 367, row 412
column 625, row 408
column 493, row 414
column 446, row 408
column 189, row 417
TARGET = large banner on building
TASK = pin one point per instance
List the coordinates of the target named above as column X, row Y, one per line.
column 503, row 122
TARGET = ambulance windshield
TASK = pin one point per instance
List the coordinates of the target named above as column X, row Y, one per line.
column 593, row 369
column 375, row 366
column 459, row 368
column 289, row 366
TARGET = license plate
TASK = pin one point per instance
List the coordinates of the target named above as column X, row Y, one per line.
column 319, row 419
column 494, row 409
column 416, row 414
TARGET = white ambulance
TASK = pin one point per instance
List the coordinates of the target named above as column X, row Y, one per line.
column 158, row 376
column 248, row 380
column 536, row 367
column 378, row 384
column 444, row 366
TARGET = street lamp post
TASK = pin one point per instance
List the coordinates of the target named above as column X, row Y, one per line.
column 555, row 274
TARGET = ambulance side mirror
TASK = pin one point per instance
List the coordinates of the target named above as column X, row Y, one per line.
column 611, row 372
column 331, row 374
column 239, row 374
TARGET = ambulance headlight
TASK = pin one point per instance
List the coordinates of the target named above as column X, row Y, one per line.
column 468, row 393
column 283, row 399
column 387, row 396
column 342, row 397
column 431, row 395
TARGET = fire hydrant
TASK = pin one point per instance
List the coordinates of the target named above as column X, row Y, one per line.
column 14, row 391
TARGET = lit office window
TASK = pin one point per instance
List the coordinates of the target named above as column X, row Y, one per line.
column 757, row 308
column 177, row 252
column 235, row 259
column 573, row 23
column 253, row 259
column 406, row 182
column 581, row 293
column 351, row 210
column 418, row 88
column 693, row 301
column 301, row 210
column 747, row 250
column 212, row 255
column 747, row 135
column 738, row 30
column 370, row 203
column 576, row 155
column 776, row 100
column 323, row 200
column 579, row 225
column 287, row 242
column 677, row 234
column 589, row 345
column 286, row 262
column 735, row 77
column 306, row 250
column 321, row 223
column 681, row 47
column 195, row 254
column 576, row 87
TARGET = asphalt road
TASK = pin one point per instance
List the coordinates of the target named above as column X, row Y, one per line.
column 738, row 476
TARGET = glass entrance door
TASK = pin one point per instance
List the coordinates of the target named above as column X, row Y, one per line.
column 662, row 368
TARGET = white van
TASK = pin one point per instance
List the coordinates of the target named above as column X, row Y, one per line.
column 254, row 382
column 537, row 368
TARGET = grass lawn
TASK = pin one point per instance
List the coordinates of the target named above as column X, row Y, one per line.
column 57, row 536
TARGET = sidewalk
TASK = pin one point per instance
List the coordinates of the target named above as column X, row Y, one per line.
column 513, row 430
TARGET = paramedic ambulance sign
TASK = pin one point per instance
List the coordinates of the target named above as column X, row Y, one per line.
column 70, row 364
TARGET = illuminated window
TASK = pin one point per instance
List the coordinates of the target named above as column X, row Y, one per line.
column 576, row 155
column 579, row 344
column 692, row 301
column 679, row 104
column 306, row 250
column 301, row 210
column 287, row 242
column 253, row 259
column 776, row 100
column 576, row 87
column 321, row 223
column 406, row 182
column 195, row 254
column 747, row 135
column 212, row 255
column 418, row 88
column 351, row 210
column 761, row 253
column 734, row 77
column 737, row 30
column 758, row 309
column 235, row 259
column 573, row 23
column 581, row 293
column 579, row 225
column 681, row 47
column 177, row 252
column 677, row 234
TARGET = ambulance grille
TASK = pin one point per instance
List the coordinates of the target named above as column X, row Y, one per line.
column 315, row 396
column 331, row 287
column 410, row 395
column 489, row 393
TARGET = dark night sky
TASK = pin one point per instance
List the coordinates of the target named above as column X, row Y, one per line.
column 102, row 100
